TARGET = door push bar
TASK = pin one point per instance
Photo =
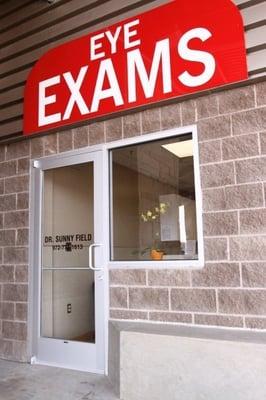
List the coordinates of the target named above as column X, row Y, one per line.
column 91, row 256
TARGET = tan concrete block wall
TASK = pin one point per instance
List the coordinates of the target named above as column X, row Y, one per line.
column 231, row 289
column 14, row 177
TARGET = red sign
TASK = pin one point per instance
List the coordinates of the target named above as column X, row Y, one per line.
column 179, row 48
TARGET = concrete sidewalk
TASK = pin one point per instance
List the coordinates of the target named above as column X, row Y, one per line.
column 35, row 382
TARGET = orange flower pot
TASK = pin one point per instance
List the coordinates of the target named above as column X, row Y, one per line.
column 156, row 254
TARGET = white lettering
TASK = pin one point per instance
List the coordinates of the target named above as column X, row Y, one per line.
column 128, row 34
column 74, row 87
column 197, row 56
column 95, row 46
column 106, row 70
column 138, row 75
column 135, row 62
column 44, row 100
column 113, row 39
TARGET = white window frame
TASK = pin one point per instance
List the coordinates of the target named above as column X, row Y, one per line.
column 78, row 154
column 162, row 264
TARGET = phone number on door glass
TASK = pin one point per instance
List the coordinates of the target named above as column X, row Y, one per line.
column 63, row 247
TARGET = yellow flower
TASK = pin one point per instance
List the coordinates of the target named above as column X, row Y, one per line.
column 144, row 218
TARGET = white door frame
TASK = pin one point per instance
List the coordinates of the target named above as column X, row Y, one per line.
column 36, row 183
column 83, row 153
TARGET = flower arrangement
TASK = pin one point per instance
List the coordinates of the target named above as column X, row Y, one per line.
column 151, row 216
column 154, row 213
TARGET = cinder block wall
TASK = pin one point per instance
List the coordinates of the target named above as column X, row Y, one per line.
column 231, row 289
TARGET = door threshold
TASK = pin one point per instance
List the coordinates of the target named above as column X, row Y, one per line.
column 35, row 361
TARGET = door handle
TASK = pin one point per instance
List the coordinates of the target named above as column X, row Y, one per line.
column 90, row 257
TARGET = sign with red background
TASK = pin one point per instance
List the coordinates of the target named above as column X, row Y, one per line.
column 182, row 47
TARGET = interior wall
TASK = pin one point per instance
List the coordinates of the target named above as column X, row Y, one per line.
column 149, row 191
column 142, row 177
column 126, row 200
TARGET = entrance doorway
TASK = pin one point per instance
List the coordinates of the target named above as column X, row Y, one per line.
column 68, row 262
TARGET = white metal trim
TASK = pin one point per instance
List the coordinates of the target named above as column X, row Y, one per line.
column 198, row 196
column 161, row 264
column 106, row 240
column 66, row 269
column 151, row 136
column 65, row 366
column 34, row 257
column 37, row 168
column 164, row 264
column 82, row 155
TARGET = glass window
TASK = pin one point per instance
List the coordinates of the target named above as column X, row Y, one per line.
column 153, row 213
column 68, row 287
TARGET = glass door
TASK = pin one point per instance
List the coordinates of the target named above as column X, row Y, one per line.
column 71, row 274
